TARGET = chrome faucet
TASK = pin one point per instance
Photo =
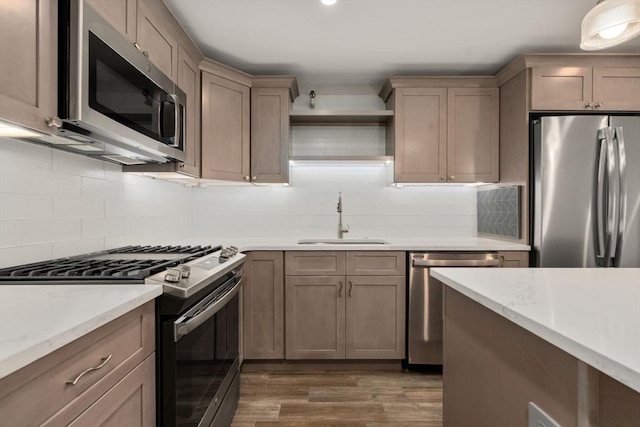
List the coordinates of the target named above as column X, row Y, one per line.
column 341, row 228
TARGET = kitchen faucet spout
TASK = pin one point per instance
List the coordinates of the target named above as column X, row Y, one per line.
column 341, row 228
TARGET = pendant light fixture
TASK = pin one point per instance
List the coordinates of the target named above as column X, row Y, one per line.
column 610, row 23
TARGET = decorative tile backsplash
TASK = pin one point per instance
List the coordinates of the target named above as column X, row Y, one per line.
column 499, row 211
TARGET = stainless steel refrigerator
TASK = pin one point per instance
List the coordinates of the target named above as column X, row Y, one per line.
column 586, row 191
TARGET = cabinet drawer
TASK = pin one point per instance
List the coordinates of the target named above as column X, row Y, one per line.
column 314, row 263
column 40, row 390
column 376, row 263
column 131, row 402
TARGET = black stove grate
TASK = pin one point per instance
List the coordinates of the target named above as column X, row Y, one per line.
column 136, row 264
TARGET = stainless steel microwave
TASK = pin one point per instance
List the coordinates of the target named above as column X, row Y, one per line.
column 113, row 103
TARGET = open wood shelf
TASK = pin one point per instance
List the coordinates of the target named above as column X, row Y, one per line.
column 340, row 117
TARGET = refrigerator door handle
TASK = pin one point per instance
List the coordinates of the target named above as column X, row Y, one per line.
column 622, row 194
column 613, row 193
column 599, row 211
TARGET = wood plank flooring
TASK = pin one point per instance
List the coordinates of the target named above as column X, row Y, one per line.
column 329, row 398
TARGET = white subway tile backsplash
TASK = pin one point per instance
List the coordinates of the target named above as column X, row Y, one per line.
column 73, row 164
column 25, row 254
column 76, row 247
column 14, row 206
column 8, row 234
column 101, row 227
column 101, row 188
column 24, row 155
column 78, row 207
column 47, row 231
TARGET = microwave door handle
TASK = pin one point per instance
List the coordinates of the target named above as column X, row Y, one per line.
column 622, row 194
column 172, row 98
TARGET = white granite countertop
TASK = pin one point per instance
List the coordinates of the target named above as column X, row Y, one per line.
column 592, row 314
column 246, row 244
column 37, row 320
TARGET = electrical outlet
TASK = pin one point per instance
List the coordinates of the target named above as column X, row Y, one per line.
column 539, row 418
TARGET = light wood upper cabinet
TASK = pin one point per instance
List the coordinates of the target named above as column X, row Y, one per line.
column 263, row 306
column 270, row 130
column 420, row 134
column 617, row 88
column 121, row 14
column 225, row 125
column 28, row 62
column 472, row 135
column 585, row 88
column 334, row 314
column 444, row 129
column 155, row 36
column 189, row 82
column 122, row 388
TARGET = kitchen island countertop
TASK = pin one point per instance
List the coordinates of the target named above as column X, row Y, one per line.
column 592, row 314
column 36, row 320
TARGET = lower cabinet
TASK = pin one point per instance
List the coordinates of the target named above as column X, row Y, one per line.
column 514, row 259
column 263, row 306
column 131, row 402
column 105, row 378
column 338, row 316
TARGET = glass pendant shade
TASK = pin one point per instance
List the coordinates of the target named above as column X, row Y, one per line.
column 610, row 23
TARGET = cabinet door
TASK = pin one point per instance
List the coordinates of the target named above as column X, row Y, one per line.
column 121, row 14
column 131, row 402
column 225, row 129
column 263, row 318
column 28, row 62
column 315, row 317
column 514, row 259
column 270, row 135
column 616, row 89
column 472, row 135
column 155, row 38
column 420, row 127
column 189, row 82
column 375, row 317
column 561, row 88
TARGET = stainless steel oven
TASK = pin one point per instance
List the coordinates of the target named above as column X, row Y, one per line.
column 114, row 102
column 199, row 365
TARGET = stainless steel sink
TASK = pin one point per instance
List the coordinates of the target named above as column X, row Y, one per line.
column 342, row 242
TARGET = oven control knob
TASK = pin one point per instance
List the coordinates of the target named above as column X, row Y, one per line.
column 185, row 271
column 173, row 275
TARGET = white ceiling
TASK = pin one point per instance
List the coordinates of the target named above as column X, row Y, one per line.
column 362, row 41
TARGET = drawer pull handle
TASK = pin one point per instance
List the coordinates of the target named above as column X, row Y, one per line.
column 340, row 290
column 104, row 361
column 350, row 287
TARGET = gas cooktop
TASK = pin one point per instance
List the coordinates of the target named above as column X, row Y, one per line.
column 126, row 264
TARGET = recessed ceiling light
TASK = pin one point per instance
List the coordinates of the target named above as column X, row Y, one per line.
column 328, row 2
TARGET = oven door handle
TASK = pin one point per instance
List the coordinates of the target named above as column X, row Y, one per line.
column 183, row 326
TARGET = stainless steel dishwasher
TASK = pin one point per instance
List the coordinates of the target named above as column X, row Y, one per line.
column 424, row 326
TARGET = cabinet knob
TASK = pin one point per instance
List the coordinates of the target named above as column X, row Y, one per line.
column 588, row 105
column 443, row 178
column 501, row 261
column 54, row 122
column 598, row 105
column 136, row 45
column 181, row 166
column 452, row 178
column 254, row 178
column 145, row 53
column 246, row 178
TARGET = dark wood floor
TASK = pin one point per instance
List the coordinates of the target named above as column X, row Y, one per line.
column 329, row 398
